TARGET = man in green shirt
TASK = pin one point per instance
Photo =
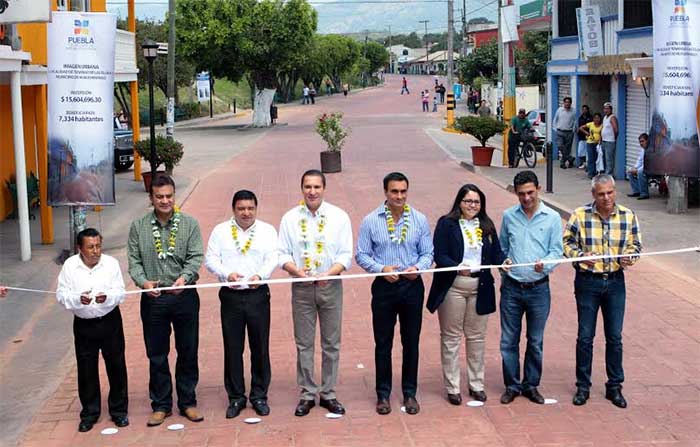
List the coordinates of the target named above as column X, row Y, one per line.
column 165, row 249
column 517, row 124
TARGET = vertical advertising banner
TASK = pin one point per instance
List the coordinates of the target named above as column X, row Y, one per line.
column 590, row 31
column 203, row 92
column 80, row 108
column 675, row 121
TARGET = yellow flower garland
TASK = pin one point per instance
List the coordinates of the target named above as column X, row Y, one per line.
column 234, row 234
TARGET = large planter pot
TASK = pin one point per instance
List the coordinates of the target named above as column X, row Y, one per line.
column 481, row 156
column 147, row 179
column 330, row 161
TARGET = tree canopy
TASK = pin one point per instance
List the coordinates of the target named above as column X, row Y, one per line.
column 532, row 58
column 482, row 62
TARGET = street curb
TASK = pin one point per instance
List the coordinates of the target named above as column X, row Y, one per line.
column 563, row 211
column 451, row 130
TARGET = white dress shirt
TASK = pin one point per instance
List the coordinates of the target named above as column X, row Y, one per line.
column 336, row 237
column 224, row 258
column 472, row 255
column 104, row 278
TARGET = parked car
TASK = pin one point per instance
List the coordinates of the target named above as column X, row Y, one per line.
column 123, row 148
column 538, row 122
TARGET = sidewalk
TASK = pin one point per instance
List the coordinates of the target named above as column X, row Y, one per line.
column 571, row 189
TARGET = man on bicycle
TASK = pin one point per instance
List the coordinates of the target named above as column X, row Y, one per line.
column 517, row 124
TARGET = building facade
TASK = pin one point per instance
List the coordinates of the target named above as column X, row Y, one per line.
column 623, row 75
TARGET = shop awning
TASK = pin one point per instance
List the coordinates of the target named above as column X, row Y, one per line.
column 612, row 64
column 642, row 67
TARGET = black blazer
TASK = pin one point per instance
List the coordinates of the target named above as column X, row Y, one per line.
column 449, row 251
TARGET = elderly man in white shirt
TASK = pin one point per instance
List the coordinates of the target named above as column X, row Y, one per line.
column 244, row 249
column 316, row 240
column 91, row 286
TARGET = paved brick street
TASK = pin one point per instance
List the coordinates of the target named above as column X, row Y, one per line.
column 662, row 335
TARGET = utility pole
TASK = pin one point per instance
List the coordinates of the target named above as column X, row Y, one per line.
column 464, row 28
column 170, row 126
column 450, row 42
column 508, row 73
column 391, row 54
column 425, row 36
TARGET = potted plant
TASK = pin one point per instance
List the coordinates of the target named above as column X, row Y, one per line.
column 330, row 128
column 169, row 152
column 481, row 128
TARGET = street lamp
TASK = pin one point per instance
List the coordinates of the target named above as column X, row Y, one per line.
column 150, row 53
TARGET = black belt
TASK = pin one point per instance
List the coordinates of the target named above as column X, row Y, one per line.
column 601, row 275
column 527, row 285
column 475, row 274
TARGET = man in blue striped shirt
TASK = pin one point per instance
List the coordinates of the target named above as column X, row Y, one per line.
column 531, row 232
column 396, row 238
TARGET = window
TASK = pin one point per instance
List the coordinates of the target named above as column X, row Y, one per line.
column 80, row 5
column 637, row 13
column 567, row 17
column 62, row 5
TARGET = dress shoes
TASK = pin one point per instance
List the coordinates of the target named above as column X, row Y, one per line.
column 234, row 409
column 332, row 405
column 508, row 396
column 121, row 421
column 411, row 405
column 643, row 198
column 478, row 395
column 581, row 397
column 85, row 426
column 615, row 396
column 634, row 194
column 158, row 417
column 534, row 396
column 303, row 407
column 383, row 406
column 192, row 414
column 261, row 407
column 454, row 399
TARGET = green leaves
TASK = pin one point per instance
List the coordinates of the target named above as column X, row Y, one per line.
column 481, row 128
column 482, row 62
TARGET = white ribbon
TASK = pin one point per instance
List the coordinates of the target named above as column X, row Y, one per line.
column 381, row 274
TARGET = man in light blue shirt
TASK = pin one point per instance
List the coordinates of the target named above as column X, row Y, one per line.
column 396, row 238
column 530, row 232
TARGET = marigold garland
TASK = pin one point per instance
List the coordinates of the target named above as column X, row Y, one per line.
column 234, row 234
column 311, row 263
column 391, row 226
column 172, row 238
column 474, row 237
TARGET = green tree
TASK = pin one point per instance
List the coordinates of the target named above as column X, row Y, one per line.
column 482, row 62
column 340, row 54
column 377, row 56
column 532, row 58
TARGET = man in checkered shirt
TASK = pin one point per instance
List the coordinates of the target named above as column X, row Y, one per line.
column 601, row 228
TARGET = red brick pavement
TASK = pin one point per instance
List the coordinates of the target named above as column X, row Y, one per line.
column 662, row 340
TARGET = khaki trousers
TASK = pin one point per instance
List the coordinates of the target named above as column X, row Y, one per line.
column 457, row 315
column 311, row 302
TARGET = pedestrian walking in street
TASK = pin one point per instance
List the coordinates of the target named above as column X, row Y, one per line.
column 396, row 237
column 484, row 110
column 425, row 100
column 244, row 249
column 346, row 89
column 530, row 232
column 565, row 123
column 404, row 86
column 312, row 93
column 465, row 236
column 435, row 103
column 442, row 90
column 315, row 239
column 305, row 95
column 91, row 286
column 609, row 138
column 165, row 249
column 592, row 132
column 601, row 228
column 581, row 151
column 329, row 87
column 637, row 176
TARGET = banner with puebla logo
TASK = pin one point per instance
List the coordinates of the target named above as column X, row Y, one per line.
column 673, row 146
column 80, row 108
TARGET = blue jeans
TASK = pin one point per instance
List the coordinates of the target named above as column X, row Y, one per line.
column 639, row 184
column 609, row 156
column 593, row 292
column 591, row 159
column 515, row 302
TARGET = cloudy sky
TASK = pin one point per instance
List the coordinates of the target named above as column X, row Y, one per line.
column 347, row 16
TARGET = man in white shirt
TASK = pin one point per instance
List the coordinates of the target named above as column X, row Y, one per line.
column 316, row 240
column 244, row 249
column 91, row 286
column 564, row 123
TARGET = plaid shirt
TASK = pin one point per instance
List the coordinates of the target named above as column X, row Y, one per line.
column 588, row 232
